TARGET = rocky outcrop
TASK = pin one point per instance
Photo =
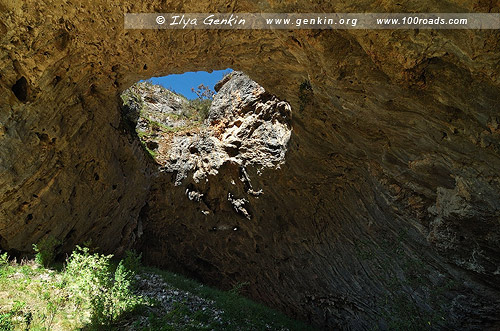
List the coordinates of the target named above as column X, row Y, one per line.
column 247, row 126
column 244, row 125
column 146, row 104
column 385, row 212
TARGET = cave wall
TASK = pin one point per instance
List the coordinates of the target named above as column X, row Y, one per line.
column 387, row 207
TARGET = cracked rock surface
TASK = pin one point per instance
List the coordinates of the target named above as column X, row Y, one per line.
column 247, row 126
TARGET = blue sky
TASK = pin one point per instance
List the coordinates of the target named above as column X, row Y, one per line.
column 184, row 82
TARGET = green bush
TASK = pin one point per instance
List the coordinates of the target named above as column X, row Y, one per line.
column 7, row 319
column 107, row 293
column 236, row 290
column 201, row 107
column 45, row 251
column 132, row 260
column 6, row 322
column 4, row 260
column 4, row 266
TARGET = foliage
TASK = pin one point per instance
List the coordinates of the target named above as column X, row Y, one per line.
column 149, row 82
column 201, row 105
column 15, row 313
column 45, row 250
column 130, row 96
column 151, row 152
column 203, row 92
column 96, row 292
column 91, row 246
column 107, row 293
column 132, row 260
column 6, row 322
column 4, row 260
column 236, row 290
column 238, row 310
column 92, row 290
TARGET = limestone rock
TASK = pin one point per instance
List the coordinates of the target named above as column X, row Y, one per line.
column 245, row 126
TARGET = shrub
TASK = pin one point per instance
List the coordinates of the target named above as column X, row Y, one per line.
column 107, row 293
column 7, row 319
column 4, row 260
column 122, row 297
column 201, row 105
column 132, row 260
column 6, row 322
column 236, row 290
column 203, row 92
column 45, row 250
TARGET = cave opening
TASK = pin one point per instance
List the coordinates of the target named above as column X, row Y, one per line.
column 210, row 149
column 174, row 105
column 214, row 151
column 192, row 123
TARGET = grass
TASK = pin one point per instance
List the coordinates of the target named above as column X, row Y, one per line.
column 32, row 297
column 242, row 311
column 92, row 291
column 89, row 292
column 155, row 126
column 151, row 152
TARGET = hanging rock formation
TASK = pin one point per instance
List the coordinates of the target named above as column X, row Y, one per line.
column 386, row 209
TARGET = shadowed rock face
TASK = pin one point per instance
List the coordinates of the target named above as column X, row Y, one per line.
column 385, row 212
